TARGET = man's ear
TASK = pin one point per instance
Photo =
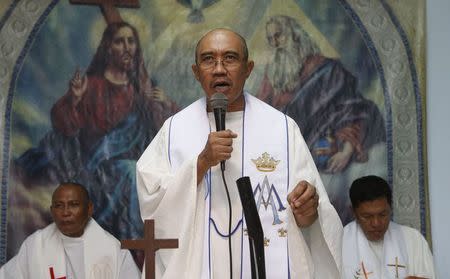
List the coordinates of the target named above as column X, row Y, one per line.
column 250, row 65
column 195, row 70
column 90, row 209
column 352, row 210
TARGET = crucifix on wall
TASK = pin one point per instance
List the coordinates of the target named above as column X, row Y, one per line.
column 108, row 7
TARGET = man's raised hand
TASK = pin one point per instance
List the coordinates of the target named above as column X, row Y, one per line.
column 218, row 148
column 304, row 202
column 78, row 85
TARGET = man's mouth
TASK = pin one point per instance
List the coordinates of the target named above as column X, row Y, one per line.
column 376, row 233
column 221, row 86
column 126, row 57
column 66, row 223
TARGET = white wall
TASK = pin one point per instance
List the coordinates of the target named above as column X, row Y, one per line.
column 438, row 129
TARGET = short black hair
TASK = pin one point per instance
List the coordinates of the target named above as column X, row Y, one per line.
column 83, row 189
column 369, row 188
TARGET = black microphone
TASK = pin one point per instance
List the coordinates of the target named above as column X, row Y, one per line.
column 218, row 102
column 254, row 228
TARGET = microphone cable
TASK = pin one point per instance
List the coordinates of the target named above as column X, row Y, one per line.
column 229, row 223
column 219, row 102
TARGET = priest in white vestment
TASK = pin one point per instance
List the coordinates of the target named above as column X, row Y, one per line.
column 73, row 247
column 375, row 247
column 180, row 184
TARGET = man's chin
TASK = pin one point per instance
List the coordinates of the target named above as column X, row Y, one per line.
column 222, row 89
column 69, row 230
column 71, row 233
column 126, row 67
column 375, row 236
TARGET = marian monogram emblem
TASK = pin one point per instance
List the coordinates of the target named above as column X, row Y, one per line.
column 265, row 163
column 267, row 195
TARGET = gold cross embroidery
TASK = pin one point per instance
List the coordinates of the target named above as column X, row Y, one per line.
column 282, row 232
column 362, row 271
column 266, row 241
column 396, row 265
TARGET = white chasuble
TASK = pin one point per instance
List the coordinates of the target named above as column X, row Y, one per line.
column 270, row 150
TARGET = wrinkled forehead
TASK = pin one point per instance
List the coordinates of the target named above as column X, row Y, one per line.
column 68, row 192
column 124, row 31
column 273, row 26
column 375, row 206
column 220, row 40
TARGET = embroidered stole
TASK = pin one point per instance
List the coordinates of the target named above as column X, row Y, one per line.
column 100, row 256
column 361, row 262
column 47, row 254
column 264, row 158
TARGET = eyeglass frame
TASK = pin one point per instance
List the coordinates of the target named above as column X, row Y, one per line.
column 209, row 62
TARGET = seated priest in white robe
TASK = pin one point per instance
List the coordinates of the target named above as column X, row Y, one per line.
column 180, row 182
column 73, row 247
column 373, row 245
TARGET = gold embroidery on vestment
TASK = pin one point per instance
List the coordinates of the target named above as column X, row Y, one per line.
column 265, row 163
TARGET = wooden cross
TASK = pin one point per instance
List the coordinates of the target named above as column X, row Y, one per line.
column 397, row 266
column 150, row 245
column 108, row 7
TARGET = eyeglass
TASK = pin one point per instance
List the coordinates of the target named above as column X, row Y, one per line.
column 229, row 62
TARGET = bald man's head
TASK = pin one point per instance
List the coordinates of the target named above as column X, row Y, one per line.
column 241, row 39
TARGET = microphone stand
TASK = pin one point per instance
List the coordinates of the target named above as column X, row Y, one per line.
column 254, row 228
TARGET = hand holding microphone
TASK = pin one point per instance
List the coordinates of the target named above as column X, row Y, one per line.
column 218, row 148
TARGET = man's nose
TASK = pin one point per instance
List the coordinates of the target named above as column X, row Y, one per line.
column 66, row 211
column 127, row 46
column 219, row 67
column 376, row 221
column 274, row 42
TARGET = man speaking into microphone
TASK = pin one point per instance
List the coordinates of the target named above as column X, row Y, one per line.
column 180, row 182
